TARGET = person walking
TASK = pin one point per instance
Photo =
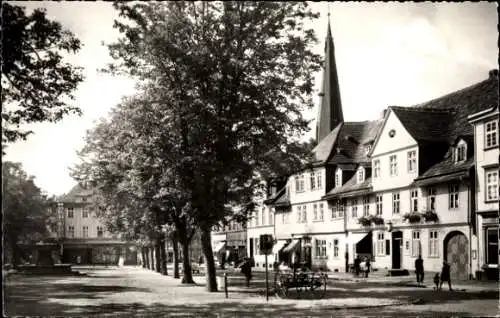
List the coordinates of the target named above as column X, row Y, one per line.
column 246, row 269
column 367, row 265
column 445, row 275
column 357, row 263
column 419, row 269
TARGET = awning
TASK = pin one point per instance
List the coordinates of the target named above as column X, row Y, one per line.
column 278, row 246
column 219, row 246
column 354, row 238
column 291, row 246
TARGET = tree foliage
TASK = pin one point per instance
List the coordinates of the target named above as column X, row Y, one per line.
column 223, row 86
column 26, row 211
column 37, row 83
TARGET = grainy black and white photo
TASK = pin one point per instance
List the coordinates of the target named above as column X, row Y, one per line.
column 250, row 159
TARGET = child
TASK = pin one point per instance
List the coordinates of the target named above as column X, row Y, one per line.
column 436, row 281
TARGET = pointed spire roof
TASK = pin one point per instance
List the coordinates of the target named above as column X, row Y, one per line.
column 330, row 106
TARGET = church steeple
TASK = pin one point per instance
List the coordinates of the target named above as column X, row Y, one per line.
column 330, row 105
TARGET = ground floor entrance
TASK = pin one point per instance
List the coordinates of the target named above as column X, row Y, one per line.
column 397, row 249
column 456, row 247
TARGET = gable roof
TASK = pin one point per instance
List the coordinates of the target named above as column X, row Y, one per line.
column 352, row 140
column 467, row 101
column 425, row 125
column 77, row 191
column 322, row 150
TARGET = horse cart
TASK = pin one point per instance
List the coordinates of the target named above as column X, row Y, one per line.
column 305, row 282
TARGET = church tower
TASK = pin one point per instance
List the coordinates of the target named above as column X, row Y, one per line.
column 330, row 106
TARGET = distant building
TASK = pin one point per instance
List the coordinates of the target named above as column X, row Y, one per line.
column 84, row 237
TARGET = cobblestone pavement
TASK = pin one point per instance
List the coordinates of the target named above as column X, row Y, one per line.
column 134, row 292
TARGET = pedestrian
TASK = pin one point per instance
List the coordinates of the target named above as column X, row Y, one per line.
column 419, row 269
column 246, row 269
column 367, row 266
column 357, row 262
column 445, row 275
column 436, row 281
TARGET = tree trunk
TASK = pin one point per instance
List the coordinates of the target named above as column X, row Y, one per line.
column 146, row 257
column 163, row 256
column 157, row 254
column 206, row 245
column 186, row 262
column 143, row 254
column 151, row 258
column 176, row 256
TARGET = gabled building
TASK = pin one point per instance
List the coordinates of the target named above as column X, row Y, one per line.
column 83, row 235
column 486, row 191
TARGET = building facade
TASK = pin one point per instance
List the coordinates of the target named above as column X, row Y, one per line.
column 486, row 157
column 84, row 237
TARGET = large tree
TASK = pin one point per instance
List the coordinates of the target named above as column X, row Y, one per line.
column 131, row 159
column 238, row 76
column 37, row 84
column 26, row 212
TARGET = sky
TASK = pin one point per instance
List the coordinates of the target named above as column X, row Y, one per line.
column 386, row 53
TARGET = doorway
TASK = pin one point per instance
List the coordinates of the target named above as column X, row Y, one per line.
column 397, row 245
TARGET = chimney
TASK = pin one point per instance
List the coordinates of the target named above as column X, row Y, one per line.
column 383, row 113
column 494, row 73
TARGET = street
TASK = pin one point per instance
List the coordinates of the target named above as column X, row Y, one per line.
column 133, row 291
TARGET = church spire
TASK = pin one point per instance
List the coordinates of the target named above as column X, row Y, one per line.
column 330, row 106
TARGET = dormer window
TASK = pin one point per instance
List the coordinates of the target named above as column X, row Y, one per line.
column 361, row 175
column 338, row 178
column 461, row 151
column 368, row 148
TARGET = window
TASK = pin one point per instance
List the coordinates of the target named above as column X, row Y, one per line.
column 415, row 244
column 315, row 212
column 257, row 245
column 257, row 217
column 304, row 213
column 412, row 161
column 492, row 185
column 491, row 134
column 338, row 178
column 367, row 149
column 431, row 199
column 320, row 248
column 85, row 231
column 299, row 214
column 263, row 215
column 299, row 183
column 335, row 248
column 380, row 244
column 85, row 213
column 366, row 206
column 453, row 196
column 341, row 208
column 319, row 181
column 433, row 244
column 313, row 181
column 461, row 152
column 70, row 213
column 393, row 165
column 492, row 246
column 321, row 212
column 285, row 218
column 271, row 217
column 71, row 231
column 100, row 231
column 414, row 200
column 354, row 208
column 361, row 175
column 395, row 203
column 376, row 168
column 333, row 210
column 379, row 204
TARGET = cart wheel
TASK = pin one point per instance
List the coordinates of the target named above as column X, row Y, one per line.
column 301, row 285
column 318, row 286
